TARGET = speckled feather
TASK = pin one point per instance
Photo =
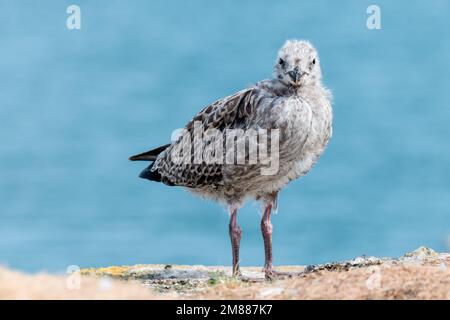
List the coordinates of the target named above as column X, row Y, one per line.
column 301, row 111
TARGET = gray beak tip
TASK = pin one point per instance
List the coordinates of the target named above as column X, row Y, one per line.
column 295, row 75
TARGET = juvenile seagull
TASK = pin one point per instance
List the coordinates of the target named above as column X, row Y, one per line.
column 295, row 102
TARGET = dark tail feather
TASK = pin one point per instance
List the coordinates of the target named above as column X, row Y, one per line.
column 147, row 173
column 154, row 175
column 149, row 155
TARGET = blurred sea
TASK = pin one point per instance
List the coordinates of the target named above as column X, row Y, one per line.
column 75, row 104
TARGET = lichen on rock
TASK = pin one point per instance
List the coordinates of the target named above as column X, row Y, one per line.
column 409, row 276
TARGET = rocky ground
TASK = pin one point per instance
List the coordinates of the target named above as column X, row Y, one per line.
column 421, row 274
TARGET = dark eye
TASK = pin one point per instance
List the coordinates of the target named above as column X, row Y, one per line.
column 314, row 61
column 281, row 62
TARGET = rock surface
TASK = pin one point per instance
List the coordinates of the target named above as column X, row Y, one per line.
column 422, row 273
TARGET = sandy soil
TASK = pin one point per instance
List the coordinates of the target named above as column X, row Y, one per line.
column 16, row 285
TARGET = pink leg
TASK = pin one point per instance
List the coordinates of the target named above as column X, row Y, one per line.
column 266, row 228
column 235, row 235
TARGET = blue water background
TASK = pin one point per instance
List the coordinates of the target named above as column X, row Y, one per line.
column 75, row 104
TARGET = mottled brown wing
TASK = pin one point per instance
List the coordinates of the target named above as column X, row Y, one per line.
column 227, row 113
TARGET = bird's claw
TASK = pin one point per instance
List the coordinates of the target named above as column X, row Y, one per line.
column 271, row 274
column 236, row 274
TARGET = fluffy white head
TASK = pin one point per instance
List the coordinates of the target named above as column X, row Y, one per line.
column 297, row 64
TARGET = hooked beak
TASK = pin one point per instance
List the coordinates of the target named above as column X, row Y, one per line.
column 295, row 75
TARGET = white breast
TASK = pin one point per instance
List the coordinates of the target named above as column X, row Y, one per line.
column 319, row 133
column 306, row 133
